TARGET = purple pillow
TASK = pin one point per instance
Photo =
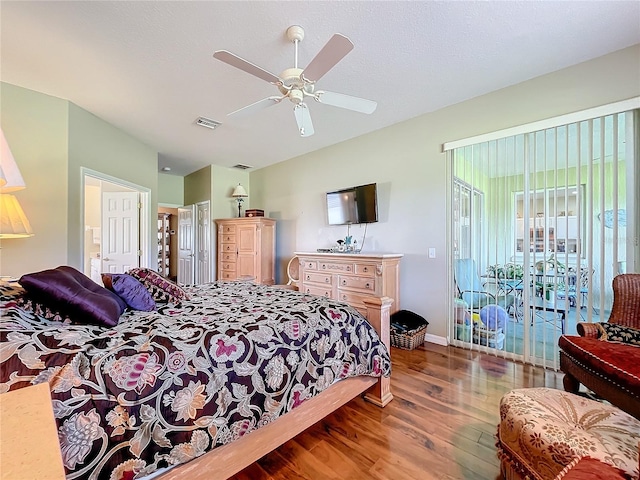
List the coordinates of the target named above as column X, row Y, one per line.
column 74, row 294
column 161, row 289
column 135, row 295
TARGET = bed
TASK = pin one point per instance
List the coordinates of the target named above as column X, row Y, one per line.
column 200, row 388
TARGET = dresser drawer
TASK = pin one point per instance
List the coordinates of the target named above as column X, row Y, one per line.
column 228, row 256
column 227, row 238
column 227, row 275
column 228, row 229
column 324, row 278
column 365, row 269
column 228, row 248
column 310, row 265
column 228, row 266
column 321, row 292
column 354, row 299
column 367, row 284
column 335, row 267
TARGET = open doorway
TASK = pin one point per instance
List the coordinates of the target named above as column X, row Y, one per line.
column 115, row 225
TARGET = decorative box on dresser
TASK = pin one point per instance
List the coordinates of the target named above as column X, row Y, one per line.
column 247, row 249
column 351, row 277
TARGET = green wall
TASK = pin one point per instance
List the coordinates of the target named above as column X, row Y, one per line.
column 99, row 146
column 197, row 186
column 51, row 140
column 36, row 129
column 170, row 190
column 223, row 182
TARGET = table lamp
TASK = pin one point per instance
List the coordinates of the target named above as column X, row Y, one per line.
column 239, row 194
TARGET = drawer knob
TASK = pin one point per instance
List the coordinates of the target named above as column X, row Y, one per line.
column 344, row 297
column 367, row 286
column 348, row 269
column 308, row 291
column 308, row 277
column 326, row 280
column 365, row 269
column 344, row 282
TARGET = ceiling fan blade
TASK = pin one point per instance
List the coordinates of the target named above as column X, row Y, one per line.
column 242, row 64
column 334, row 51
column 303, row 119
column 346, row 101
column 254, row 107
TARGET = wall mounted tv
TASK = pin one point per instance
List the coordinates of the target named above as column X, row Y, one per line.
column 353, row 205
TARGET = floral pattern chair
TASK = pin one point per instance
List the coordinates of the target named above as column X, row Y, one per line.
column 544, row 431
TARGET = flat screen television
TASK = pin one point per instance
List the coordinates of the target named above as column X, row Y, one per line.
column 353, row 205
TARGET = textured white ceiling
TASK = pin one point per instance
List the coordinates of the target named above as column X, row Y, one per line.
column 147, row 66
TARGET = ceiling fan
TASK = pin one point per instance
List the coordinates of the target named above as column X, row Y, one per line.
column 298, row 84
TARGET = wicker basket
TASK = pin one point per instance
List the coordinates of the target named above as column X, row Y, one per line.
column 408, row 340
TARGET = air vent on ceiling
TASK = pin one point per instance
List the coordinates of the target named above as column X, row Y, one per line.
column 242, row 167
column 207, row 122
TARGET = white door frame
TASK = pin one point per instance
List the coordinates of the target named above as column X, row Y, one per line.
column 186, row 257
column 145, row 212
column 203, row 242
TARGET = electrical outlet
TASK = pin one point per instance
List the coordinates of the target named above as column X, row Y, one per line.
column 432, row 252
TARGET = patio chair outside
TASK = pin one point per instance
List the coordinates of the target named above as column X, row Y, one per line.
column 472, row 290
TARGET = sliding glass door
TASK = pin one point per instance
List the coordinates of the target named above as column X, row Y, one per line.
column 541, row 223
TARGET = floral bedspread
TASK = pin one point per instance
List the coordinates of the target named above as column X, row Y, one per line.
column 164, row 387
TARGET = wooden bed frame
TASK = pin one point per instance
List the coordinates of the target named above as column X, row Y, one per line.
column 227, row 460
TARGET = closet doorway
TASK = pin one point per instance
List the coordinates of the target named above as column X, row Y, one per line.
column 194, row 244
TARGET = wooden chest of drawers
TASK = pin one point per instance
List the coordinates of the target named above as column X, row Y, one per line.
column 246, row 249
column 351, row 277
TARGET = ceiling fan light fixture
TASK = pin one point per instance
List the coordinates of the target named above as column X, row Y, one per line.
column 296, row 96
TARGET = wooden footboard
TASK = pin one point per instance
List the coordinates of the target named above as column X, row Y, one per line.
column 225, row 461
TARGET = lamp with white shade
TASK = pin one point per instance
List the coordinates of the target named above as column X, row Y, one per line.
column 239, row 194
column 13, row 221
column 10, row 177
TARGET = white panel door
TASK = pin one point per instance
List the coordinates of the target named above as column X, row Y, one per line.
column 186, row 251
column 120, row 228
column 203, row 243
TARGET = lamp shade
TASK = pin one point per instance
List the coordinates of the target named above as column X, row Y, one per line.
column 13, row 222
column 239, row 192
column 10, row 177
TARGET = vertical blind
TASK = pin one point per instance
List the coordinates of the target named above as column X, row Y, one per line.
column 541, row 222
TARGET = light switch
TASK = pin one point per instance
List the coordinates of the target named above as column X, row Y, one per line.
column 432, row 252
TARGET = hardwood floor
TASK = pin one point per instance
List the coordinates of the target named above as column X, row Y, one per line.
column 440, row 425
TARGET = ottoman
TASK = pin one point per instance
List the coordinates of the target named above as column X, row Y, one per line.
column 543, row 430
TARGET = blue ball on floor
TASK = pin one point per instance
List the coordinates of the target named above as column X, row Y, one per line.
column 494, row 317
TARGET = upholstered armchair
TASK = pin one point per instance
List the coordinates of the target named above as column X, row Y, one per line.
column 605, row 357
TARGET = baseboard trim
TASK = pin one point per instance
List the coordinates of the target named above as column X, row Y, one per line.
column 436, row 339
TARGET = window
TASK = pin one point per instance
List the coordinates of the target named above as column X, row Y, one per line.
column 467, row 220
column 552, row 224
